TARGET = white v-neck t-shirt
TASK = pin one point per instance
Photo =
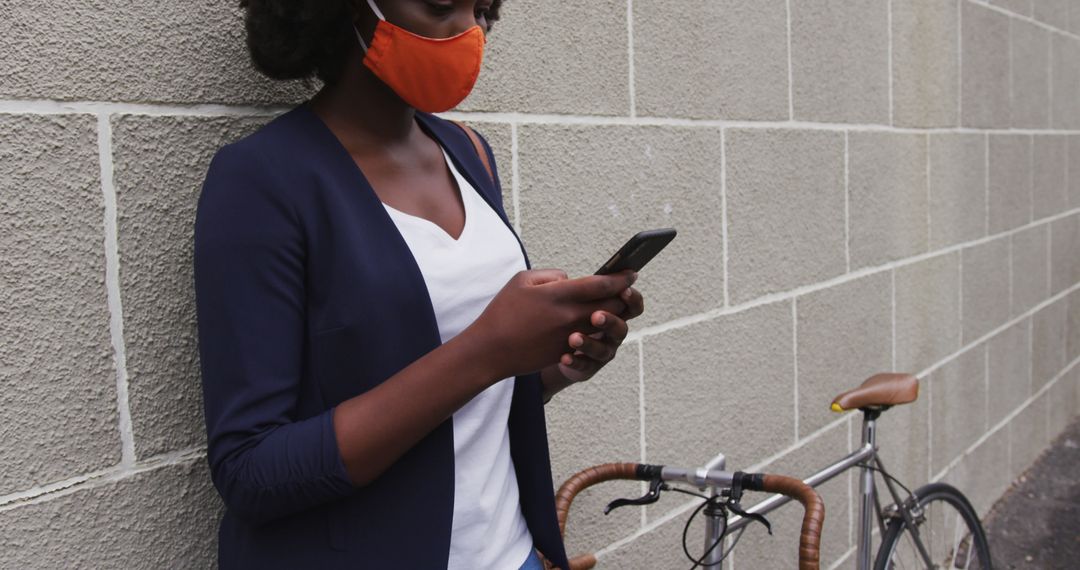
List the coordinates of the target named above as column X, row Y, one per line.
column 462, row 276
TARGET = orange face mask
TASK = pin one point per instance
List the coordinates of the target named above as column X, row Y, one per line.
column 431, row 74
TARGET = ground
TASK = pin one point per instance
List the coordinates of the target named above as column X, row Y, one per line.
column 1036, row 524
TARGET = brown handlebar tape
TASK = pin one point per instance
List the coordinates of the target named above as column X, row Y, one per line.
column 578, row 483
column 813, row 517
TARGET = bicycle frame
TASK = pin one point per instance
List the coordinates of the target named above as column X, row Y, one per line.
column 715, row 477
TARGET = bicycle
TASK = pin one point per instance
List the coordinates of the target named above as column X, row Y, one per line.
column 933, row 527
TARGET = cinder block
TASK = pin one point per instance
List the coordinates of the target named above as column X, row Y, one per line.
column 785, row 209
column 592, row 423
column 1009, row 370
column 708, row 381
column 758, row 549
column 678, row 66
column 1064, row 253
column 1011, row 164
column 1048, row 340
column 1022, row 7
column 985, row 276
column 844, row 336
column 585, row 190
column 59, row 379
column 903, row 440
column 983, row 475
column 180, row 52
column 927, row 311
column 1028, row 436
column 161, row 518
column 662, row 546
column 958, row 406
column 1050, row 193
column 1030, row 75
column 887, row 195
column 1030, row 268
column 1062, row 402
column 1073, row 326
column 958, row 164
column 543, row 58
column 1065, row 82
column 840, row 60
column 1053, row 12
column 925, row 53
column 1073, row 144
column 160, row 163
column 984, row 73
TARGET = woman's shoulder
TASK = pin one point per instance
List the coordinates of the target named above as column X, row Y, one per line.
column 269, row 159
column 250, row 182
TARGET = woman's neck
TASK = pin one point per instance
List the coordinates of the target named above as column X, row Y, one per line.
column 362, row 111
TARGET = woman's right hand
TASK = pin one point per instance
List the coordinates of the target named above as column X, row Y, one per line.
column 526, row 325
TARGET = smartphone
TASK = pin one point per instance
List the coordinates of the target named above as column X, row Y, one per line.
column 636, row 252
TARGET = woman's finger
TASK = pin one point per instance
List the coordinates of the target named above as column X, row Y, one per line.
column 581, row 363
column 602, row 349
column 594, row 287
column 612, row 326
column 635, row 303
column 614, row 306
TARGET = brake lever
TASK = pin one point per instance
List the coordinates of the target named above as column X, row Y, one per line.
column 736, row 508
column 735, row 495
column 652, row 496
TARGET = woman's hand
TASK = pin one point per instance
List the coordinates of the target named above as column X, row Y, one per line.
column 527, row 325
column 592, row 351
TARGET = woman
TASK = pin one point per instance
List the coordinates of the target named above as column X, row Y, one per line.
column 375, row 353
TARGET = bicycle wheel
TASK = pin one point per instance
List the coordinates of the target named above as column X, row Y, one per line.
column 948, row 528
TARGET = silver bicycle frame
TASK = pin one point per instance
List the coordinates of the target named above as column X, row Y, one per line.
column 713, row 477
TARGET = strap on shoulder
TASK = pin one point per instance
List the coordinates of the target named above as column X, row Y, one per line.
column 479, row 148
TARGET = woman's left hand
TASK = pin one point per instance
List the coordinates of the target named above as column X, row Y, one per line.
column 591, row 352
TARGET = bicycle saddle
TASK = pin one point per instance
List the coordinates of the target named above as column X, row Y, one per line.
column 886, row 389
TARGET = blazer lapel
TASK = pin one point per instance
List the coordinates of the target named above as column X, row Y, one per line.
column 463, row 153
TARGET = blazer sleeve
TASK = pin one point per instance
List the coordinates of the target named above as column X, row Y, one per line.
column 249, row 274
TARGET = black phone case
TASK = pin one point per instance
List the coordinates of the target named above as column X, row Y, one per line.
column 638, row 251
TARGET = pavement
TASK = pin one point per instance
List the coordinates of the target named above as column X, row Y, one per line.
column 1036, row 524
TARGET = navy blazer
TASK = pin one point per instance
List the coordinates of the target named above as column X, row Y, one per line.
column 307, row 295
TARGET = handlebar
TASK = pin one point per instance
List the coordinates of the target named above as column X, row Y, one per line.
column 813, row 515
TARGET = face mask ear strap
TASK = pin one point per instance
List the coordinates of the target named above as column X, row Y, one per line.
column 376, row 9
column 363, row 44
column 378, row 13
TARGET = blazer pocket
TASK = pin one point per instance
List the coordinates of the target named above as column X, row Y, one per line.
column 338, row 363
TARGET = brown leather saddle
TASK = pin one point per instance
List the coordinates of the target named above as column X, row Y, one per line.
column 879, row 392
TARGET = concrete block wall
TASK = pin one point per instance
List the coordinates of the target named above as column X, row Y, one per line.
column 859, row 185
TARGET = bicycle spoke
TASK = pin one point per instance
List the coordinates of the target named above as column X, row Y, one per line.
column 967, row 545
column 946, row 530
column 963, row 550
column 931, row 531
column 941, row 519
column 952, row 523
column 959, row 530
column 911, row 550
